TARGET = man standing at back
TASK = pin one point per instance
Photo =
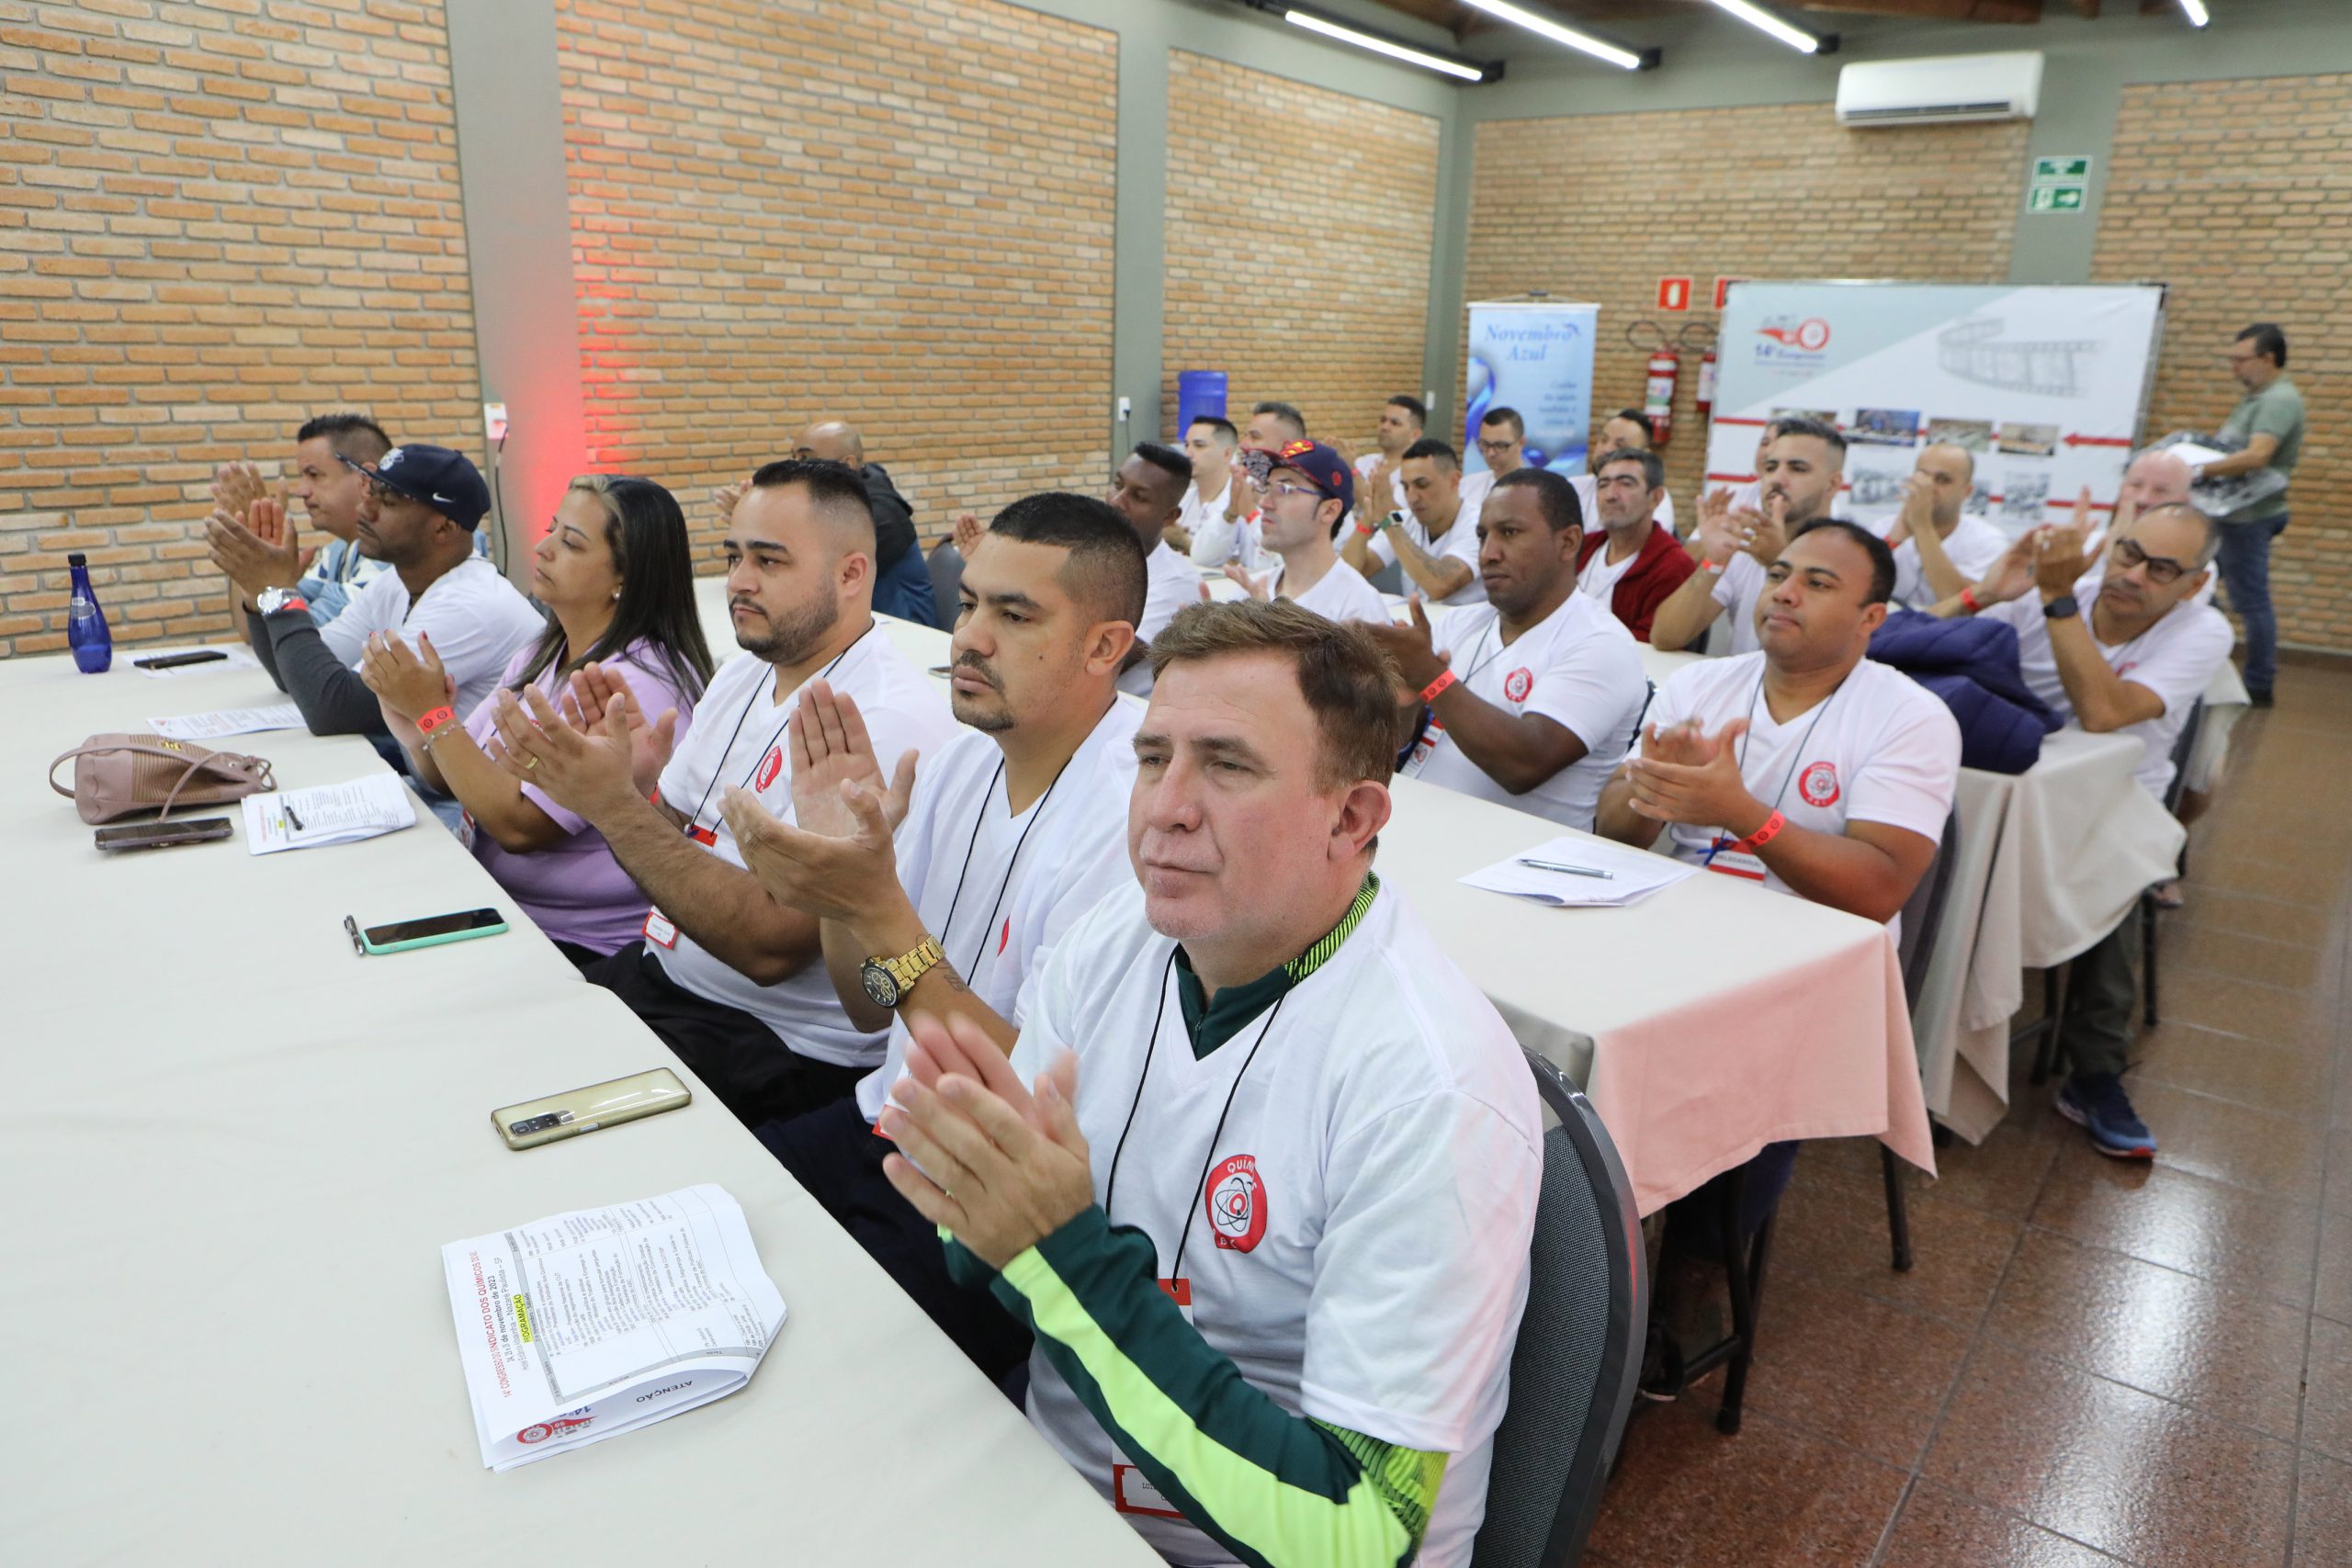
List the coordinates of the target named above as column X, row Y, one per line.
column 1800, row 472
column 958, row 889
column 2269, row 419
column 1528, row 699
column 418, row 516
column 1437, row 541
column 732, row 981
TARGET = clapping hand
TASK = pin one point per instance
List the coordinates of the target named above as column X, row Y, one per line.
column 596, row 693
column 1694, row 778
column 2060, row 558
column 1262, row 589
column 1918, row 513
column 585, row 770
column 1721, row 532
column 258, row 552
column 1411, row 648
column 407, row 682
column 1768, row 533
column 723, row 499
column 969, row 530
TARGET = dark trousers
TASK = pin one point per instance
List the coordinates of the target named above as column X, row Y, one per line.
column 2245, row 577
column 837, row 1155
column 2102, row 991
column 1691, row 1225
column 738, row 1057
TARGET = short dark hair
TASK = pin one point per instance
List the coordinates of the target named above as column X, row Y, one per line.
column 1347, row 681
column 1881, row 558
column 1168, row 460
column 1555, row 496
column 2267, row 339
column 1436, row 451
column 1225, row 435
column 1284, row 412
column 1800, row 424
column 352, row 436
column 1653, row 465
column 1105, row 571
column 1649, row 425
column 1414, row 406
column 1505, row 416
column 838, row 491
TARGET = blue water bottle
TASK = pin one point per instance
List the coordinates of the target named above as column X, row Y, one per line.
column 85, row 623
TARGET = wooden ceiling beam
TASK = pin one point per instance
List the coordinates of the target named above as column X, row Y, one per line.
column 1940, row 10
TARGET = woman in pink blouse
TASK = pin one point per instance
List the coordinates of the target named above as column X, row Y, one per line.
column 615, row 578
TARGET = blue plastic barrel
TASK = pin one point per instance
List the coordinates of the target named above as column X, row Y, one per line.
column 1199, row 394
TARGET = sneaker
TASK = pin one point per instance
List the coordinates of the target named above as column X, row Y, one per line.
column 2097, row 1103
column 2259, row 698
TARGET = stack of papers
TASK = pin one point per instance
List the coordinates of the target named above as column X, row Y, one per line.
column 328, row 814
column 1585, row 873
column 228, row 721
column 595, row 1323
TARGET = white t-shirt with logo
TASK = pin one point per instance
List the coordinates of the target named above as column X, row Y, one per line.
column 998, row 891
column 2176, row 659
column 1341, row 594
column 1373, row 1187
column 1459, row 542
column 903, row 710
column 1598, row 579
column 1879, row 748
column 1975, row 547
column 1581, row 668
column 476, row 620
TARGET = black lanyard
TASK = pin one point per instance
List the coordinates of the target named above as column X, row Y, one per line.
column 692, row 828
column 987, row 798
column 1199, row 1183
column 1803, row 741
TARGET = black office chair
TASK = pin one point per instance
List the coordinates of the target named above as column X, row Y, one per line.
column 1923, row 919
column 1579, row 1348
column 946, row 565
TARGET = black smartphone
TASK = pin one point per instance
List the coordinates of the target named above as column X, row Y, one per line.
column 432, row 930
column 174, row 661
column 157, row 835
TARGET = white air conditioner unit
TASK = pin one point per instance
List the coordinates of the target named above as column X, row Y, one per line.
column 1945, row 91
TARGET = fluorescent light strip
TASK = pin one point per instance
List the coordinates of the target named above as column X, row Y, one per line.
column 1758, row 18
column 1624, row 59
column 2195, row 10
column 1315, row 24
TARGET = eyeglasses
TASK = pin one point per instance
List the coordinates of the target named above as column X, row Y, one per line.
column 1275, row 490
column 2161, row 568
column 1496, row 448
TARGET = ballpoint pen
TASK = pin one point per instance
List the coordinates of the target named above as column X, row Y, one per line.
column 286, row 809
column 1571, row 870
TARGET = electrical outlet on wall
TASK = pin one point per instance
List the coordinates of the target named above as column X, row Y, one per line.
column 1126, row 407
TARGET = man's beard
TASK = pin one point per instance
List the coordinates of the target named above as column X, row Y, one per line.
column 798, row 634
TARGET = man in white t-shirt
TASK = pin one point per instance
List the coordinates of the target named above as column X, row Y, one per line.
column 1309, row 481
column 1203, row 531
column 1380, row 475
column 2134, row 661
column 945, row 894
column 1939, row 547
column 418, row 517
column 1147, row 492
column 1502, row 447
column 1632, row 430
column 731, row 980
column 1261, row 1172
column 1531, row 698
column 1272, row 426
column 1802, row 767
column 1436, row 541
column 1800, row 472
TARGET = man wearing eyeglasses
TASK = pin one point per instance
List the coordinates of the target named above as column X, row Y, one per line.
column 1502, row 444
column 1309, row 490
column 2133, row 660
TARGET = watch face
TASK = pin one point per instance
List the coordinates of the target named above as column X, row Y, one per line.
column 878, row 983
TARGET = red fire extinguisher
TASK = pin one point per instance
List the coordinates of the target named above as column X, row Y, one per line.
column 1707, row 382
column 1657, row 398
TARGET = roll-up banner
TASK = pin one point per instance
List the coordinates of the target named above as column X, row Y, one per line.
column 1536, row 359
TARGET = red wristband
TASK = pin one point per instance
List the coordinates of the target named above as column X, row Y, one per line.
column 427, row 723
column 1430, row 692
column 1762, row 836
column 1366, row 529
column 1968, row 602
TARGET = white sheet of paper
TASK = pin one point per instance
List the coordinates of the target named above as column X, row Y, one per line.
column 584, row 1325
column 327, row 814
column 1634, row 874
column 238, row 659
column 227, row 721
column 2191, row 452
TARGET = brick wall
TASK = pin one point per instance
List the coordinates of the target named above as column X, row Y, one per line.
column 1317, row 296
column 215, row 219
column 901, row 213
column 1599, row 208
column 2239, row 195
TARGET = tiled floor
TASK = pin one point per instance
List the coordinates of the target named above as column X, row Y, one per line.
column 2093, row 1361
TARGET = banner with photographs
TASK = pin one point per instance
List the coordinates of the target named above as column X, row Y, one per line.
column 2044, row 387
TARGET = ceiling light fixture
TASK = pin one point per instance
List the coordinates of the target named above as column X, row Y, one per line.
column 2196, row 13
column 1380, row 43
column 1755, row 16
column 1543, row 27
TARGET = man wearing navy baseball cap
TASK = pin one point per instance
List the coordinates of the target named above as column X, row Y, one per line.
column 419, row 516
column 1309, row 490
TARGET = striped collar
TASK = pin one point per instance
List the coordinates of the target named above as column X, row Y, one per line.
column 1210, row 1023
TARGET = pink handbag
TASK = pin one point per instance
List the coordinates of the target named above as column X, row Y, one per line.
column 118, row 775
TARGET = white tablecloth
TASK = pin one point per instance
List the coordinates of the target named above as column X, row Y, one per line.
column 232, row 1151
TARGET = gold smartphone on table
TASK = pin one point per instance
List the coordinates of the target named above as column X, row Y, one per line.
column 560, row 1116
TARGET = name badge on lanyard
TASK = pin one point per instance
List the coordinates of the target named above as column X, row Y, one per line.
column 465, row 829
column 1181, row 1292
column 1131, row 1494
column 659, row 930
column 1724, row 861
column 707, row 837
column 1432, row 737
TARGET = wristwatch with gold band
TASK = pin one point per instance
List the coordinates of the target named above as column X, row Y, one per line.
column 888, row 980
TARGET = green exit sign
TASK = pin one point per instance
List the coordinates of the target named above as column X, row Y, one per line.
column 2064, row 167
column 2056, row 198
